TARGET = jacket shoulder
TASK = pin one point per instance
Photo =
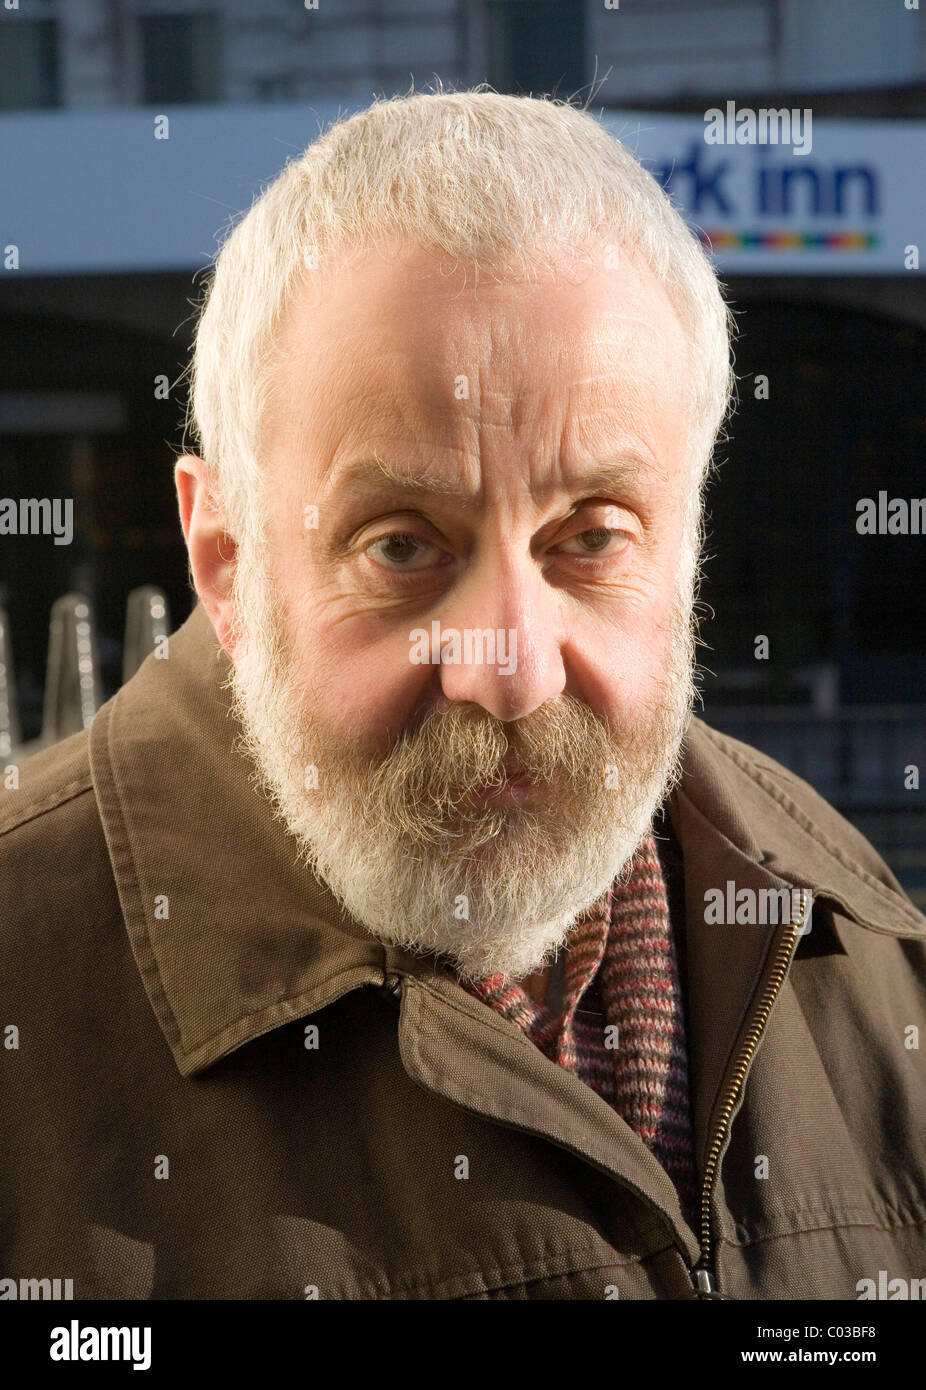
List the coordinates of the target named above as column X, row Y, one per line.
column 52, row 842
column 45, row 780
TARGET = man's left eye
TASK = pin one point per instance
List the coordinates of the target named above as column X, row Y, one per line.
column 600, row 538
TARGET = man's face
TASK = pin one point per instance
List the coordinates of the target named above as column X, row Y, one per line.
column 518, row 397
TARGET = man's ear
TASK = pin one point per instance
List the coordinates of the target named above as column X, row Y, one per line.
column 210, row 545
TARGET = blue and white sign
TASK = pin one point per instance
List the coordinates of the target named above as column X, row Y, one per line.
column 836, row 197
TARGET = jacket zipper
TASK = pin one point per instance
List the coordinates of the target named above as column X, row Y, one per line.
column 704, row 1276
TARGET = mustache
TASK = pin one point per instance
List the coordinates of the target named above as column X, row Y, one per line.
column 452, row 753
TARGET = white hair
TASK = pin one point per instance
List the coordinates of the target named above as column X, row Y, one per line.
column 494, row 181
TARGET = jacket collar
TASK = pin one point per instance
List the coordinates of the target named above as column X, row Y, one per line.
column 233, row 937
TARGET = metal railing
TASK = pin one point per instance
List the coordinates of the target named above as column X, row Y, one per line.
column 73, row 684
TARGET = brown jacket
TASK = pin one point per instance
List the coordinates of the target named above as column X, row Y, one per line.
column 216, row 1084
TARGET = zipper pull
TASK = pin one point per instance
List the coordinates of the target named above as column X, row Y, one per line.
column 705, row 1284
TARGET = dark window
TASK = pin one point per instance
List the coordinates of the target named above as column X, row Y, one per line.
column 535, row 45
column 28, row 64
column 180, row 56
column 845, row 419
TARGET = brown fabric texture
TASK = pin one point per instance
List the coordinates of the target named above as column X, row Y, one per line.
column 216, row 1084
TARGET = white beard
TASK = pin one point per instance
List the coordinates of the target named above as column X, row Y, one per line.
column 494, row 890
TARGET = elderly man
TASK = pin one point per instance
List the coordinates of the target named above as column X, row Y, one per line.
column 401, row 935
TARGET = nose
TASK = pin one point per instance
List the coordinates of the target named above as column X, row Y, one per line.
column 501, row 638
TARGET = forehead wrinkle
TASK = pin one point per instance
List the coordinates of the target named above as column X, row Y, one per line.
column 622, row 471
column 594, row 429
column 364, row 415
column 583, row 437
column 616, row 405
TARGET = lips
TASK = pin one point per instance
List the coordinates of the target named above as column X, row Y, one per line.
column 516, row 779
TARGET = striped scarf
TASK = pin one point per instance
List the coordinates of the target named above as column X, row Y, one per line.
column 628, row 1040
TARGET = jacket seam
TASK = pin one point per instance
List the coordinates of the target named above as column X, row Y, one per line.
column 517, row 1271
column 69, row 792
column 823, row 1226
column 122, row 848
column 796, row 814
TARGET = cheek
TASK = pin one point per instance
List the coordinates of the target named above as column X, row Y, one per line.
column 360, row 694
column 639, row 671
column 635, row 668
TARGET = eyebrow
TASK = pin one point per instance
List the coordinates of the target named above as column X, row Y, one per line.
column 625, row 470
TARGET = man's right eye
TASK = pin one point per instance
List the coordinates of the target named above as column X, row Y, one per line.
column 404, row 543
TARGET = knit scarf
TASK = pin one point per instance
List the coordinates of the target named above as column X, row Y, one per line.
column 627, row 1041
